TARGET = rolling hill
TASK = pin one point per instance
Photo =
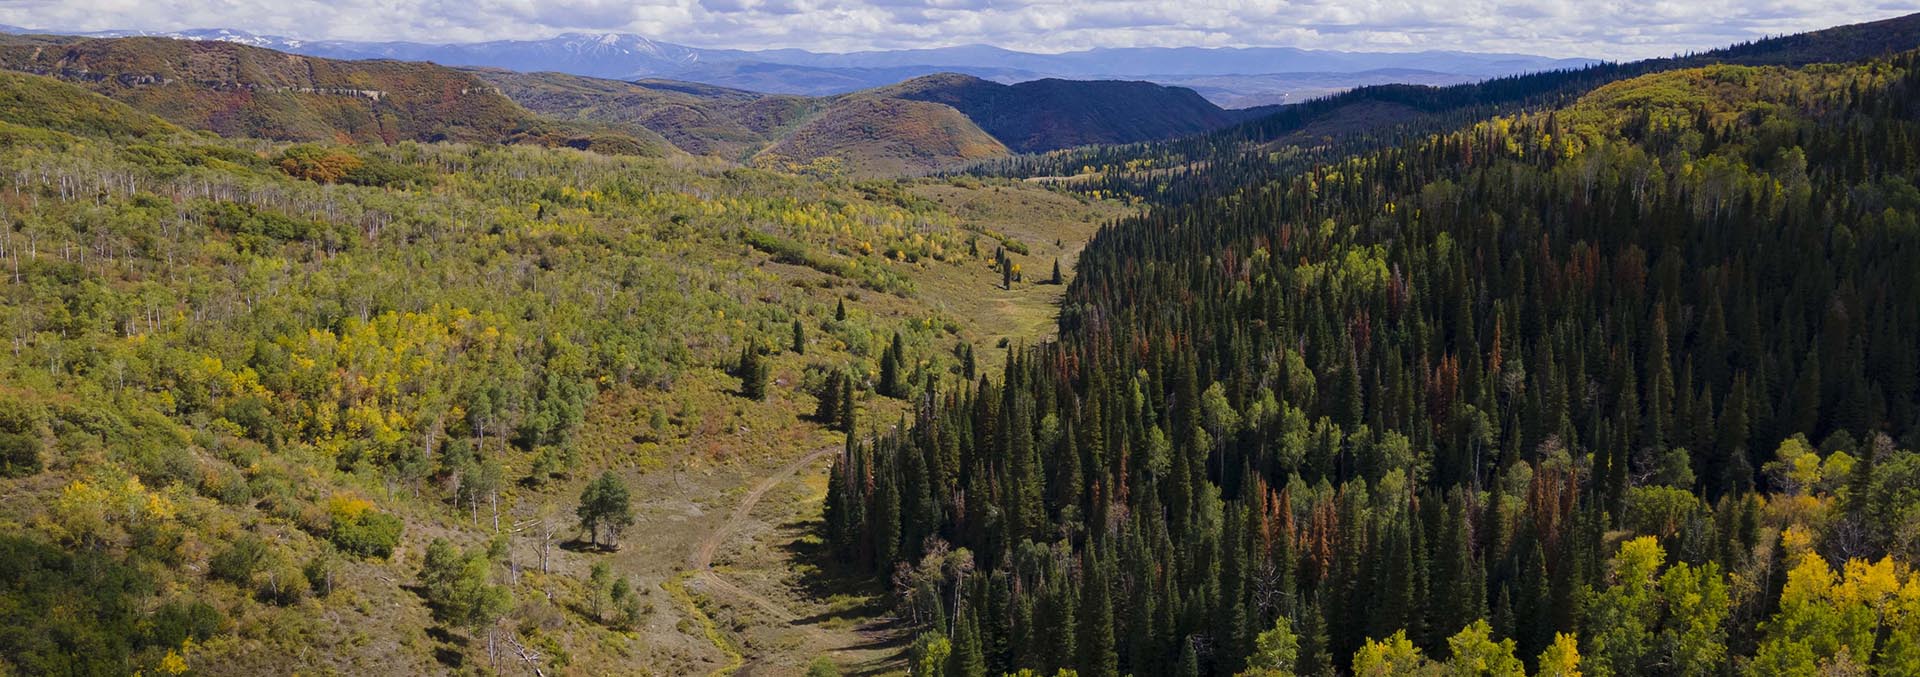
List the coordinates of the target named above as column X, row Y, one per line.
column 878, row 135
column 237, row 90
column 917, row 126
column 870, row 134
column 32, row 101
column 623, row 56
column 926, row 123
column 700, row 119
column 1043, row 115
column 1370, row 117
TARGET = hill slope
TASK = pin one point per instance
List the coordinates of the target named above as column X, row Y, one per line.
column 700, row 119
column 1050, row 114
column 1281, row 73
column 885, row 136
column 235, row 90
column 45, row 103
column 901, row 127
column 240, row 408
column 1551, row 384
column 1369, row 117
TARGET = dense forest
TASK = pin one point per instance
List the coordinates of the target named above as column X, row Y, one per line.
column 1628, row 385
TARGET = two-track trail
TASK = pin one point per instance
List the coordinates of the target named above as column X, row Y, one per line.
column 701, row 560
column 700, row 566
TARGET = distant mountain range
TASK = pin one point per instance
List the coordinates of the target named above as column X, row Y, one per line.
column 1230, row 77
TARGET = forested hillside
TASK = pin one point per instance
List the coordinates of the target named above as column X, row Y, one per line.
column 271, row 407
column 1049, row 114
column 1277, row 141
column 1630, row 385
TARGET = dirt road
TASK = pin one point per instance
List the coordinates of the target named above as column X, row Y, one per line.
column 700, row 561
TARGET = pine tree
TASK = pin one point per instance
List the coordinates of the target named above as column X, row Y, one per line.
column 799, row 338
column 968, row 660
column 827, row 412
column 1189, row 660
column 1660, row 388
column 1056, row 272
column 1458, row 600
column 840, row 311
column 849, row 407
column 892, row 383
column 1315, row 657
column 1805, row 415
column 1097, row 656
column 1736, row 470
column 752, row 371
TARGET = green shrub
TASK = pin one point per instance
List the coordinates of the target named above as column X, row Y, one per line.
column 19, row 454
column 240, row 561
column 20, row 425
column 371, row 534
column 180, row 620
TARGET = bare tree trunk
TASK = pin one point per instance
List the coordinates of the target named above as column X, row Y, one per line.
column 532, row 657
column 491, row 662
column 546, row 544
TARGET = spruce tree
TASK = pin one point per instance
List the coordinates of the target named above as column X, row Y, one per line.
column 1660, row 388
column 848, row 406
column 892, row 381
column 1097, row 656
column 752, row 371
column 1736, row 470
column 827, row 412
column 1189, row 660
column 967, row 659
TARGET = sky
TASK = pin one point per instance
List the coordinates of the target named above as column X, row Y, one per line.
column 1606, row 29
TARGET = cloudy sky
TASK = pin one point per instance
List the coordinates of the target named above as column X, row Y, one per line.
column 1614, row 29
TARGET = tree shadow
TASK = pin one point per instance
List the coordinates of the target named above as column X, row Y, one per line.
column 448, row 652
column 834, row 579
column 577, row 545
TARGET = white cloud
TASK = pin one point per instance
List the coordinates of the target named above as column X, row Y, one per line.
column 1618, row 29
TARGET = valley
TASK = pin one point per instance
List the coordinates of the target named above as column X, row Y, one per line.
column 383, row 358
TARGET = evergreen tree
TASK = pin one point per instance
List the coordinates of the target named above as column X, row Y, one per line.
column 752, row 370
column 967, row 658
column 1097, row 655
column 848, row 406
column 892, row 381
column 827, row 410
